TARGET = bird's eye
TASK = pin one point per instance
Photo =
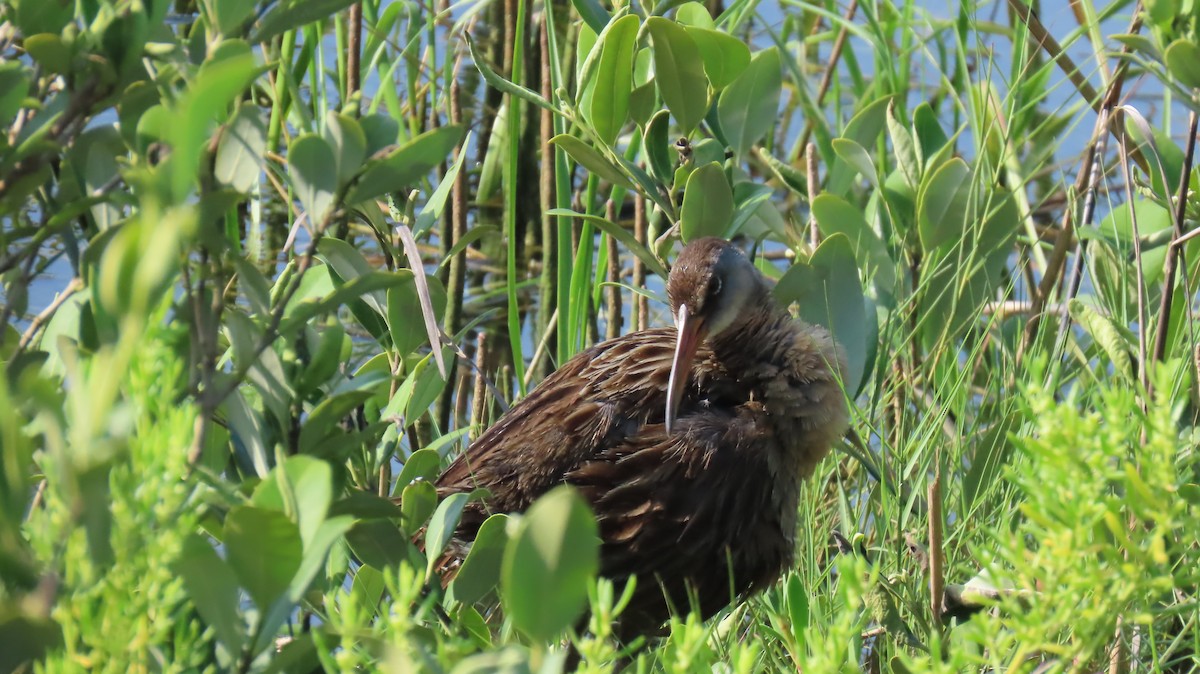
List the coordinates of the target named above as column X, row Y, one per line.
column 714, row 287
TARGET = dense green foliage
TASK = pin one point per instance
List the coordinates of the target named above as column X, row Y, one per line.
column 303, row 250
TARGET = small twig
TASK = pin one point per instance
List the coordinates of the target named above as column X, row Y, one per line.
column 1004, row 309
column 613, row 305
column 1051, row 46
column 542, row 347
column 641, row 316
column 937, row 560
column 479, row 399
column 70, row 123
column 42, row 318
column 1139, row 272
column 835, row 55
column 353, row 49
column 1175, row 251
column 1085, row 183
column 810, row 171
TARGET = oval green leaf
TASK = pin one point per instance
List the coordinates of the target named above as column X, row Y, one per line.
column 480, row 571
column 592, row 160
column 549, row 563
column 264, row 549
column 612, row 79
column 345, row 135
column 240, row 154
column 725, row 56
column 707, row 203
column 441, row 528
column 942, row 204
column 835, row 215
column 312, row 167
column 679, row 72
column 406, row 164
column 828, row 293
column 1183, row 62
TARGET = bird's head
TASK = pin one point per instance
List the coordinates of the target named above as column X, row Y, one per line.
column 710, row 286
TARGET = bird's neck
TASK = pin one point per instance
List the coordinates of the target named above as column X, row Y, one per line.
column 762, row 334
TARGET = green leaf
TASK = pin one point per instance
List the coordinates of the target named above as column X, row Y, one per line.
column 480, row 571
column 423, row 464
column 749, row 107
column 1106, row 335
column 679, row 72
column 27, row 638
column 835, row 215
column 992, row 448
column 1183, row 62
column 302, row 488
column 404, row 312
column 1162, row 12
column 863, row 128
column 694, row 14
column 313, row 170
column 305, row 310
column 1139, row 43
column 1151, row 218
column 50, row 52
column 441, row 527
column 326, row 358
column 42, row 16
column 707, row 203
column 241, row 151
column 829, row 294
column 288, row 14
column 213, row 588
column 434, row 208
column 379, row 543
column 624, row 236
column 349, row 143
column 417, row 502
column 942, row 204
column 349, row 264
column 503, row 85
column 612, row 79
column 930, row 138
column 853, row 154
column 593, row 14
column 218, row 84
column 367, row 587
column 592, row 160
column 428, row 386
column 316, row 551
column 323, row 423
column 797, row 607
column 725, row 56
column 363, row 505
column 231, row 14
column 405, row 165
column 906, row 151
column 380, row 132
column 548, row 564
column 264, row 549
column 247, row 428
column 657, row 146
column 328, row 534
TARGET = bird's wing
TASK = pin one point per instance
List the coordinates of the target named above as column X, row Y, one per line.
column 592, row 403
column 669, row 506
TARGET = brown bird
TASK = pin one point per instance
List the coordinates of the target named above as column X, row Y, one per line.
column 689, row 443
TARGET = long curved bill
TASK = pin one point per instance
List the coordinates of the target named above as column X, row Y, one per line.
column 686, row 341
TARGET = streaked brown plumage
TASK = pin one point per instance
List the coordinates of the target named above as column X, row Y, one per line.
column 709, row 505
